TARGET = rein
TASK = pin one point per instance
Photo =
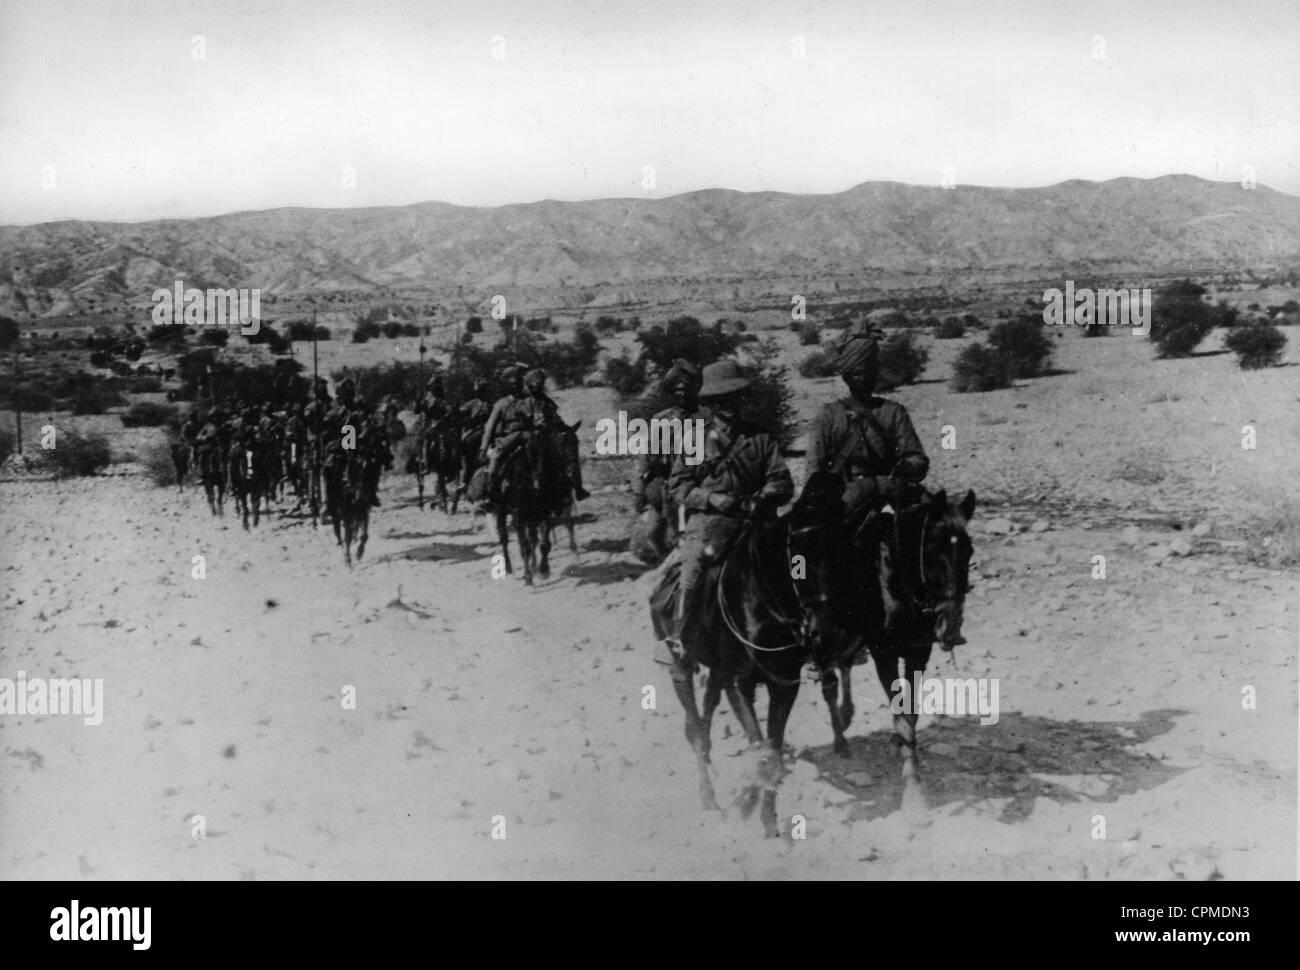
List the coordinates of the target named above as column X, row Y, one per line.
column 750, row 647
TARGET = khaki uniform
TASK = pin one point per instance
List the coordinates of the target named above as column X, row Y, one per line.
column 744, row 464
column 887, row 446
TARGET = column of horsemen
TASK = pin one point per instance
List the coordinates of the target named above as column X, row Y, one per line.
column 326, row 448
column 886, row 559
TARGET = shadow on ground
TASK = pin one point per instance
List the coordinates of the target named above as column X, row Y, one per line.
column 604, row 573
column 434, row 552
column 962, row 761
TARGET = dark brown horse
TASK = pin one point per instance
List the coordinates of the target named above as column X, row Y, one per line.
column 438, row 453
column 894, row 583
column 753, row 636
column 209, row 461
column 535, row 491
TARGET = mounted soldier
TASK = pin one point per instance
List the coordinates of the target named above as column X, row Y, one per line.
column 742, row 475
column 650, row 488
column 472, row 415
column 867, row 453
column 543, row 415
column 505, row 426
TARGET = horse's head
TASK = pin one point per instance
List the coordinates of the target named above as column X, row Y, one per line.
column 945, row 563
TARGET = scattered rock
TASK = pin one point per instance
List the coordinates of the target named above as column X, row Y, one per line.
column 1201, row 529
column 998, row 527
column 1040, row 525
column 1180, row 546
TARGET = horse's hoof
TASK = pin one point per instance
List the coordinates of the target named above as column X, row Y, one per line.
column 842, row 748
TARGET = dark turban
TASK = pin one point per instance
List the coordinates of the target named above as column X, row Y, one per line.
column 857, row 346
column 681, row 370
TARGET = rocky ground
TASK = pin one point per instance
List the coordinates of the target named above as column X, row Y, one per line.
column 482, row 704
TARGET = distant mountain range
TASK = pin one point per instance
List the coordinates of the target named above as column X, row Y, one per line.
column 714, row 243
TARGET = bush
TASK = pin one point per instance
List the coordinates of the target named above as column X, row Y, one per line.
column 980, row 367
column 626, row 377
column 810, row 334
column 267, row 334
column 147, row 414
column 1025, row 346
column 1257, row 345
column 606, row 324
column 687, row 338
column 94, row 400
column 158, row 464
column 365, row 330
column 6, row 444
column 950, row 328
column 79, row 455
column 303, row 330
column 393, row 329
column 902, row 360
column 146, row 385
column 214, row 337
column 474, row 325
column 1180, row 319
column 816, row 364
column 410, row 330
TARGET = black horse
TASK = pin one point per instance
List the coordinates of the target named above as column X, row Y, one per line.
column 892, row 582
column 536, row 490
column 755, row 635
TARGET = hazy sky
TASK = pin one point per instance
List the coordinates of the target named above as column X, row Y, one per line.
column 107, row 112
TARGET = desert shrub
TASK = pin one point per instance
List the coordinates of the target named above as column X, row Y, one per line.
column 146, row 385
column 1024, row 344
column 31, row 399
column 410, row 330
column 1180, row 319
column 274, row 340
column 391, row 329
column 100, row 358
column 158, row 464
column 810, row 334
column 94, row 399
column 79, row 455
column 134, row 350
column 625, row 376
column 9, row 332
column 147, row 414
column 902, row 360
column 816, row 364
column 950, row 328
column 980, row 367
column 474, row 325
column 365, row 330
column 164, row 333
column 304, row 330
column 6, row 444
column 687, row 338
column 1256, row 345
column 214, row 337
column 606, row 324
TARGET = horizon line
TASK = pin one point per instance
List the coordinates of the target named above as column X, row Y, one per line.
column 628, row 198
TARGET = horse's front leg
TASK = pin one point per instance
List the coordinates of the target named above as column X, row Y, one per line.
column 780, row 702
column 697, row 728
column 524, row 532
column 503, row 537
column 543, row 534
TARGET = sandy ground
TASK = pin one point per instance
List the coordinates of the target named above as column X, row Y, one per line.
column 477, row 697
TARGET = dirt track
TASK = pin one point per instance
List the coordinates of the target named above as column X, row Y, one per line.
column 478, row 697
